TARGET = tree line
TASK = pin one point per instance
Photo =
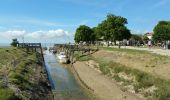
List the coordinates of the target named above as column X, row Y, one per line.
column 114, row 28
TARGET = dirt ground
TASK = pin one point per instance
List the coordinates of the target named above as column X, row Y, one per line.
column 103, row 87
column 154, row 64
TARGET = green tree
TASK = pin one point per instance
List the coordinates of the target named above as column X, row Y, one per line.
column 84, row 33
column 136, row 37
column 97, row 33
column 145, row 38
column 162, row 31
column 14, row 42
column 113, row 28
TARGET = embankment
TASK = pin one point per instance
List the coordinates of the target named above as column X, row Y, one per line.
column 102, row 86
column 23, row 75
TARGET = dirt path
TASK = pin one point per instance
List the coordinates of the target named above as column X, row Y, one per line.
column 164, row 52
column 103, row 87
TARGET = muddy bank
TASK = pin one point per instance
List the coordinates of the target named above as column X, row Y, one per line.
column 104, row 88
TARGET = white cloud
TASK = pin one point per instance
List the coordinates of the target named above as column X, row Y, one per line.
column 48, row 34
column 12, row 34
column 36, row 35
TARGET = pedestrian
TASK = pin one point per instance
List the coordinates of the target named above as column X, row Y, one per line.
column 149, row 43
column 127, row 42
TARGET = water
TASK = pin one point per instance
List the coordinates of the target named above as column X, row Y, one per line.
column 4, row 45
column 47, row 44
column 64, row 84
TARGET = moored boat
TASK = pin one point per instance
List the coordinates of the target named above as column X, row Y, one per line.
column 63, row 58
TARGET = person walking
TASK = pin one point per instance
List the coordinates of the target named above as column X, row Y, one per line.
column 149, row 43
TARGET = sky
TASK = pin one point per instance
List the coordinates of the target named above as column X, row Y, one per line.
column 55, row 21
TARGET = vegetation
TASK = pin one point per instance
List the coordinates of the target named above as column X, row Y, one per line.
column 14, row 42
column 18, row 70
column 130, row 51
column 84, row 33
column 141, row 81
column 136, row 37
column 145, row 38
column 111, row 29
column 79, row 57
column 162, row 31
column 149, row 85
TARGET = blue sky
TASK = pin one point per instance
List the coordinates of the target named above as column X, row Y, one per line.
column 57, row 20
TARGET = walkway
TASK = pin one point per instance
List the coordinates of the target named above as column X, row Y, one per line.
column 165, row 52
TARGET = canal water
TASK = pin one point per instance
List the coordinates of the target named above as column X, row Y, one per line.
column 63, row 82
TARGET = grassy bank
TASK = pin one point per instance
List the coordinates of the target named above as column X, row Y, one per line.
column 140, row 81
column 134, row 80
column 22, row 75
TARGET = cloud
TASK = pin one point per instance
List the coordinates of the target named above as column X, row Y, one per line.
column 48, row 34
column 12, row 34
column 36, row 35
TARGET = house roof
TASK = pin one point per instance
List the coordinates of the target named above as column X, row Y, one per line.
column 149, row 33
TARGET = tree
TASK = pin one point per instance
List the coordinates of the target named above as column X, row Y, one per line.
column 97, row 33
column 84, row 33
column 14, row 42
column 162, row 31
column 113, row 28
column 145, row 38
column 136, row 37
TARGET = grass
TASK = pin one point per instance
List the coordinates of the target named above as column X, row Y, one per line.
column 80, row 57
column 7, row 94
column 131, row 51
column 143, row 80
column 19, row 75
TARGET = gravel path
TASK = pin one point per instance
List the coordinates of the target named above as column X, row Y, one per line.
column 103, row 87
column 165, row 52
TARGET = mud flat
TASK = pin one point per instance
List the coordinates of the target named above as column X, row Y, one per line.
column 103, row 87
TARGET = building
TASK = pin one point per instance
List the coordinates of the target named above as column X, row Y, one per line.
column 149, row 35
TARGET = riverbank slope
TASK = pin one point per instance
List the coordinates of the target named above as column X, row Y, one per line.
column 22, row 75
column 104, row 88
column 141, row 73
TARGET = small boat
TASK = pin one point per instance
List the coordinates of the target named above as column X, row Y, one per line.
column 63, row 58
